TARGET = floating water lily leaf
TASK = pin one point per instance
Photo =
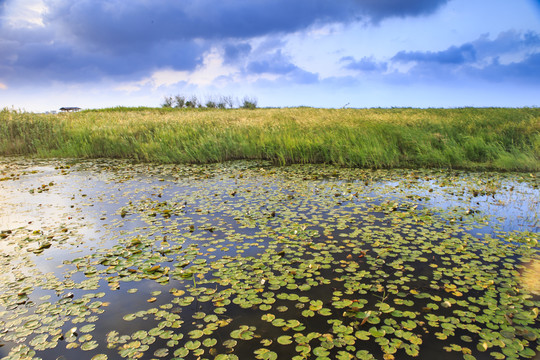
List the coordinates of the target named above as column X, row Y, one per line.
column 362, row 335
column 284, row 340
column 87, row 328
column 156, row 331
column 129, row 317
column 192, row 345
column 181, row 352
column 325, row 312
column 163, row 352
column 482, row 346
column 32, row 324
column 100, row 357
column 230, row 343
column 89, row 345
column 364, row 355
column 265, row 354
column 279, row 322
column 209, row 342
column 226, row 357
column 377, row 333
column 195, row 334
column 321, row 352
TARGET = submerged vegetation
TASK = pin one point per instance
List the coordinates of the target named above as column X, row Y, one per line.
column 248, row 261
column 471, row 138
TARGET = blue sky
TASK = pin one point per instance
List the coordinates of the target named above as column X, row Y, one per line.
column 321, row 53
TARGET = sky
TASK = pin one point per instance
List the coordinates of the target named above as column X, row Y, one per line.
column 283, row 53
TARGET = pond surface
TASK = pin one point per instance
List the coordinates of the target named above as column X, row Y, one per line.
column 110, row 260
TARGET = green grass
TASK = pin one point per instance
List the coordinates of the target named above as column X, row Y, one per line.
column 469, row 138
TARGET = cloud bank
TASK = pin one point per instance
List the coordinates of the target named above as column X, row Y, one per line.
column 89, row 40
column 511, row 56
column 144, row 45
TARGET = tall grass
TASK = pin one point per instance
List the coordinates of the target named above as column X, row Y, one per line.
column 472, row 138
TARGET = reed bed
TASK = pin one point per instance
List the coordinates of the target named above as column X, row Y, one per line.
column 466, row 138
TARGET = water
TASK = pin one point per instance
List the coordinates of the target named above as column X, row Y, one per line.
column 226, row 259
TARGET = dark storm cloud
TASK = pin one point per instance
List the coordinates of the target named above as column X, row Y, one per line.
column 380, row 9
column 275, row 63
column 135, row 23
column 233, row 52
column 42, row 62
column 524, row 71
column 453, row 55
column 510, row 42
column 511, row 56
column 365, row 64
column 88, row 40
column 278, row 64
column 507, row 42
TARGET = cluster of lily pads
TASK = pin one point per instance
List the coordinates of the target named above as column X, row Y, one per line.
column 244, row 260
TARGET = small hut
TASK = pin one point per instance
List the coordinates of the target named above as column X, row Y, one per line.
column 69, row 109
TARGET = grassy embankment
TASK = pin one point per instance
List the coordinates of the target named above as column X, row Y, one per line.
column 471, row 138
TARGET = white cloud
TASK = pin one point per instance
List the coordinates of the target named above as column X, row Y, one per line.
column 3, row 86
column 208, row 73
column 211, row 69
column 24, row 14
column 166, row 77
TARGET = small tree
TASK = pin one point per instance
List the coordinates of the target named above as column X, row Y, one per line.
column 249, row 103
column 193, row 102
column 225, row 102
column 211, row 104
column 167, row 102
column 180, row 101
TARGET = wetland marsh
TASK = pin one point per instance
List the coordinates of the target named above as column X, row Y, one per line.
column 107, row 259
column 503, row 139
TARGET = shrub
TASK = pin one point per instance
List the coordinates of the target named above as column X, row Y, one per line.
column 180, row 101
column 211, row 104
column 193, row 102
column 249, row 103
column 167, row 102
column 224, row 102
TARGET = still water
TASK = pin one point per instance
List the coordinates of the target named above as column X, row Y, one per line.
column 111, row 260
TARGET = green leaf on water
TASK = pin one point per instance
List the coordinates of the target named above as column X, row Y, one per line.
column 100, row 357
column 162, row 352
column 89, row 345
column 209, row 342
column 362, row 335
column 87, row 328
column 181, row 352
column 284, row 340
column 230, row 343
column 32, row 324
column 195, row 334
column 320, row 351
column 192, row 345
column 129, row 317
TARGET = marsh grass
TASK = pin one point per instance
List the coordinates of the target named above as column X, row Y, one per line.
column 472, row 138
